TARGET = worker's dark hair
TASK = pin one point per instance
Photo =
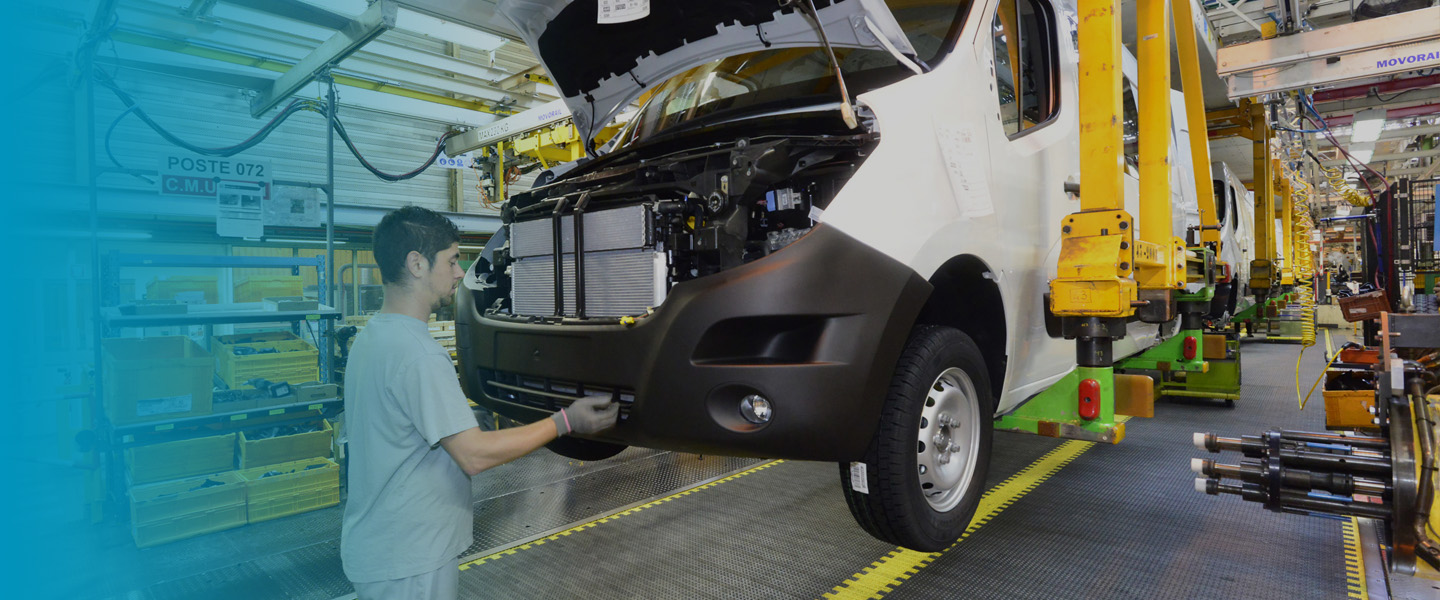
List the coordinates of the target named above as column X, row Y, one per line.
column 406, row 229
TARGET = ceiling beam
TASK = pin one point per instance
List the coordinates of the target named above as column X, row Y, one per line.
column 377, row 19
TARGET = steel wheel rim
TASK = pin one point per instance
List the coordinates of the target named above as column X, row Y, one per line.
column 949, row 439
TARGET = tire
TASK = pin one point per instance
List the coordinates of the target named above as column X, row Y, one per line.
column 579, row 449
column 940, row 372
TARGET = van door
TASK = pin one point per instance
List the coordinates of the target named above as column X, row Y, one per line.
column 1032, row 152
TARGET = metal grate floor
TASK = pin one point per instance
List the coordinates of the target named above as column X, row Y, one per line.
column 1117, row 522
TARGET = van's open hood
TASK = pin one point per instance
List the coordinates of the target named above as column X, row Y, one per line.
column 600, row 68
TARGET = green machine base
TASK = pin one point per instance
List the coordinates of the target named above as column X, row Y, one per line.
column 1055, row 412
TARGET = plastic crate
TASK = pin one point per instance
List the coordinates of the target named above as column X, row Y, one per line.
column 289, row 448
column 291, row 488
column 1349, row 409
column 185, row 458
column 257, row 288
column 156, row 379
column 174, row 510
column 294, row 360
column 166, row 289
column 1363, row 307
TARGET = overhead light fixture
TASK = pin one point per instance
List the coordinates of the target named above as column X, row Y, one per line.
column 1362, row 152
column 1367, row 125
column 409, row 20
column 440, row 29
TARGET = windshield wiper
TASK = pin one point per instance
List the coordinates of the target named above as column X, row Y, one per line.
column 807, row 8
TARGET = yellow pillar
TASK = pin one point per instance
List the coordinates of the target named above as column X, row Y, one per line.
column 1153, row 32
column 1102, row 156
column 1097, row 245
column 1159, row 255
column 1188, row 53
column 1261, row 270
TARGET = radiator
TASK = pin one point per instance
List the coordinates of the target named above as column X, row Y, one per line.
column 624, row 274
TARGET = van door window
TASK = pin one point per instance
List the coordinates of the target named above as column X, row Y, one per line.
column 1131, row 128
column 1222, row 199
column 1234, row 210
column 1023, row 34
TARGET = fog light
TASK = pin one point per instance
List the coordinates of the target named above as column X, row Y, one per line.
column 756, row 409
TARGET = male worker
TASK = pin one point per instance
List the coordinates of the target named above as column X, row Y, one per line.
column 414, row 442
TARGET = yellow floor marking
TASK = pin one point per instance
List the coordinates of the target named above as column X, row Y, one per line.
column 884, row 575
column 583, row 526
column 1329, row 349
column 1354, row 561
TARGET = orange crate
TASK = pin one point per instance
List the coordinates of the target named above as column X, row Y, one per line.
column 1359, row 357
column 1363, row 307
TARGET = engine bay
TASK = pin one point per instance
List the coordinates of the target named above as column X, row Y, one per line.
column 652, row 222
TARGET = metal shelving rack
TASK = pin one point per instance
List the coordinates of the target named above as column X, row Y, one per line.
column 1420, row 223
column 114, row 439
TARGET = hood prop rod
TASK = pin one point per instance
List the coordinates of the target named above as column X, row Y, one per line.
column 807, row 8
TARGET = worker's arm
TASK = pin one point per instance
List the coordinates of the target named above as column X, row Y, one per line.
column 475, row 450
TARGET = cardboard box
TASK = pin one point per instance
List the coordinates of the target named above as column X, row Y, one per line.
column 258, row 287
column 206, row 286
column 156, row 379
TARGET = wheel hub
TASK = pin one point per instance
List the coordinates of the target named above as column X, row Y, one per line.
column 949, row 438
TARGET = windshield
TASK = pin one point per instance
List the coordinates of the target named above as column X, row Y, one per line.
column 796, row 75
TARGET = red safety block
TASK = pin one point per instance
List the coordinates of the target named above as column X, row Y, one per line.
column 1089, row 399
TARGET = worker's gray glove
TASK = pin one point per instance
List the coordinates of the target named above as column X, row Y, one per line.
column 587, row 415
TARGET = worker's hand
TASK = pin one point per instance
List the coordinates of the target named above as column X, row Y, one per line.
column 591, row 414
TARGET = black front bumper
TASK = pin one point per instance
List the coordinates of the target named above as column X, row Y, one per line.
column 816, row 328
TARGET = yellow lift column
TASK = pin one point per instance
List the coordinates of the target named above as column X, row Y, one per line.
column 1094, row 291
column 1262, row 274
column 1158, row 250
column 1188, row 50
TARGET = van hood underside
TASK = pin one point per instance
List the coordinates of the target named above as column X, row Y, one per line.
column 600, row 66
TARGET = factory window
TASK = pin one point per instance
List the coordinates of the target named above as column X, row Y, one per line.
column 1023, row 33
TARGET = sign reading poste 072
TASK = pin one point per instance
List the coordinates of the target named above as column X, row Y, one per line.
column 201, row 176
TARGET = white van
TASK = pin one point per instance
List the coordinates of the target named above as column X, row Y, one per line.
column 756, row 276
column 1235, row 209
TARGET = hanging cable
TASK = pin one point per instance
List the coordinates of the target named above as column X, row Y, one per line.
column 1300, row 258
column 1360, row 169
column 294, row 107
column 1336, row 177
column 439, row 147
column 290, row 110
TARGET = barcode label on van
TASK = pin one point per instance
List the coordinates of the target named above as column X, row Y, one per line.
column 622, row 11
column 859, row 481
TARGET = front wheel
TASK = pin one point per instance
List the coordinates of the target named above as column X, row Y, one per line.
column 924, row 472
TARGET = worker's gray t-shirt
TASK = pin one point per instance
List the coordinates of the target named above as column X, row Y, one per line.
column 408, row 511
